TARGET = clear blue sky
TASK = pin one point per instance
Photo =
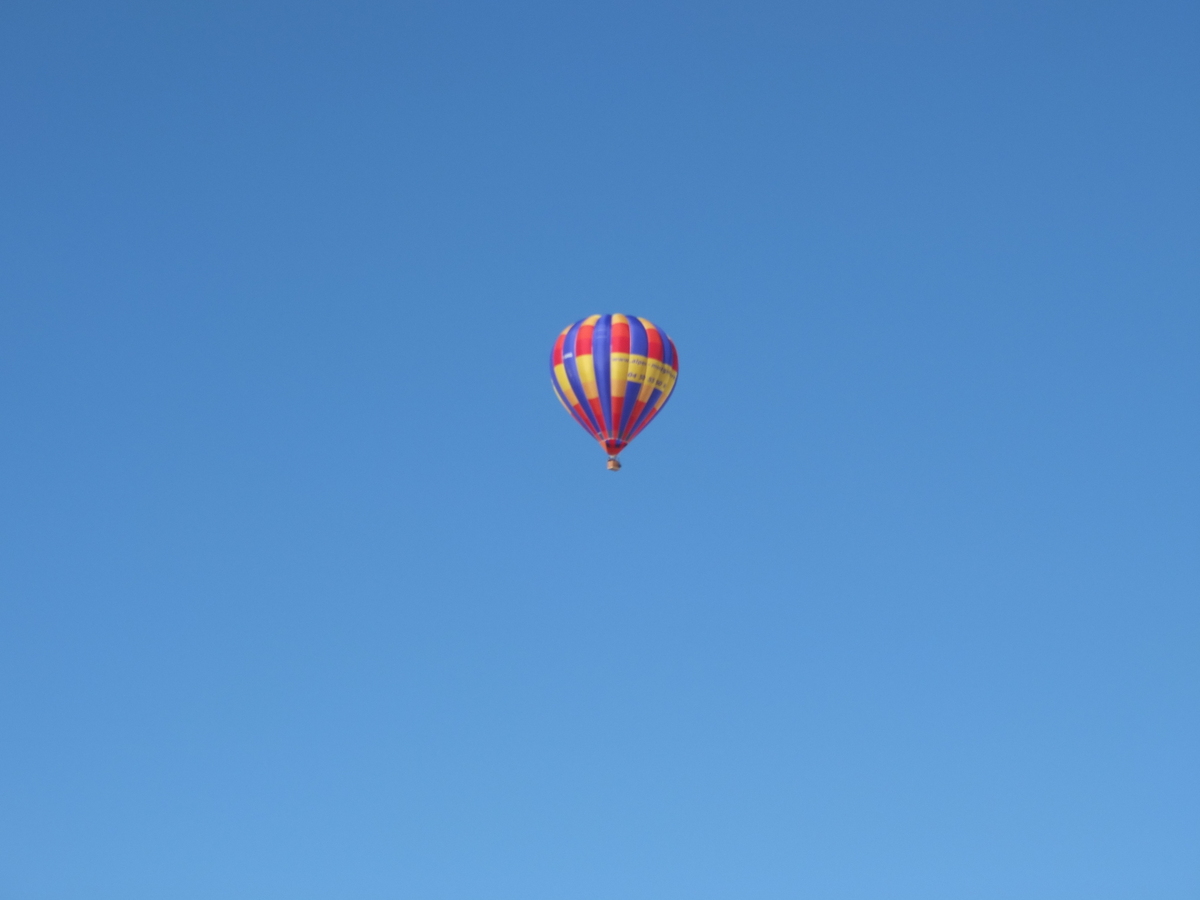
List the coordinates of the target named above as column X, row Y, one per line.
column 310, row 589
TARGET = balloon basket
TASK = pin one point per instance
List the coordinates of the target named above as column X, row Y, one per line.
column 613, row 464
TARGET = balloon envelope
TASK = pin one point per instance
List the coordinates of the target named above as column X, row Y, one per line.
column 613, row 374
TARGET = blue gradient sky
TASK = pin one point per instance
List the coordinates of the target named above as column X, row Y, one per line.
column 310, row 589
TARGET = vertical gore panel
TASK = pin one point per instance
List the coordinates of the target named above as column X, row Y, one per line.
column 562, row 386
column 636, row 374
column 585, row 365
column 602, row 359
column 571, row 365
column 620, row 371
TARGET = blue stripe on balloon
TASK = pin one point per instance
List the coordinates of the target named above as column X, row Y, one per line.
column 668, row 349
column 602, row 360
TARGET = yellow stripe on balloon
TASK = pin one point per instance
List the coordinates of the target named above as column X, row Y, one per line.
column 586, row 367
column 560, row 372
column 637, row 369
column 619, row 368
column 668, row 381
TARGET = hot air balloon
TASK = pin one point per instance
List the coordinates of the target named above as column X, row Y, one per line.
column 613, row 374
